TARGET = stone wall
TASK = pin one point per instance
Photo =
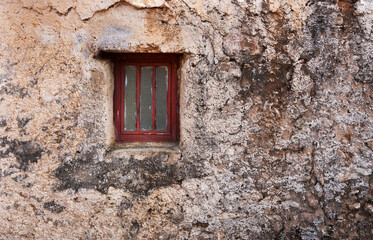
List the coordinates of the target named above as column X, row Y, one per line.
column 276, row 119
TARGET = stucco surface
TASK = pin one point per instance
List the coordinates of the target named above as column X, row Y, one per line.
column 276, row 120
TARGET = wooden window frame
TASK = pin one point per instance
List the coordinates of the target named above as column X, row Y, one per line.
column 146, row 59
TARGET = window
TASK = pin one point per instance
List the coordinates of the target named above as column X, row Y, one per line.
column 145, row 97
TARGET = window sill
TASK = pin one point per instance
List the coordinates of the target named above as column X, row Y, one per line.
column 146, row 147
column 142, row 151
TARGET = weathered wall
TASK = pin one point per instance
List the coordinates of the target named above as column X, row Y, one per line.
column 276, row 121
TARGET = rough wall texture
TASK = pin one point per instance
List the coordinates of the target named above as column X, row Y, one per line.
column 276, row 120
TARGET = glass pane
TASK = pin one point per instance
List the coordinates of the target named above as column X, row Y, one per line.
column 161, row 98
column 130, row 98
column 146, row 99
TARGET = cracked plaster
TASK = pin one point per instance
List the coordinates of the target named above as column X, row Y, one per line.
column 275, row 118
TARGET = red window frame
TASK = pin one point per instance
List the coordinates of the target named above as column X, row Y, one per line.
column 139, row 60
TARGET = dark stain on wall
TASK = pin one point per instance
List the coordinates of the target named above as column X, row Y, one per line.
column 26, row 152
column 54, row 207
column 136, row 176
column 14, row 90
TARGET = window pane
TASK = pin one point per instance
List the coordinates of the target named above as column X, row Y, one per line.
column 146, row 99
column 130, row 98
column 161, row 98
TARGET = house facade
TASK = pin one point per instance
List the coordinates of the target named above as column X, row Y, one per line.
column 271, row 137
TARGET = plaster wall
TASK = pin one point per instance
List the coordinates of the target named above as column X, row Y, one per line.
column 276, row 121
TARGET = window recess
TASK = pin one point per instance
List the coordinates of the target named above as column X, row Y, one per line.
column 145, row 97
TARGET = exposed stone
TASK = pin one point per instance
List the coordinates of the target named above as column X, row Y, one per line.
column 25, row 152
column 355, row 206
column 369, row 208
column 146, row 3
column 128, row 173
column 53, row 207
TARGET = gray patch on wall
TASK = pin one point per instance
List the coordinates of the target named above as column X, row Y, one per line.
column 136, row 176
column 114, row 38
column 26, row 152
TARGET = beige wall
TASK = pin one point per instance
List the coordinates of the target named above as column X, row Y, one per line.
column 275, row 115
